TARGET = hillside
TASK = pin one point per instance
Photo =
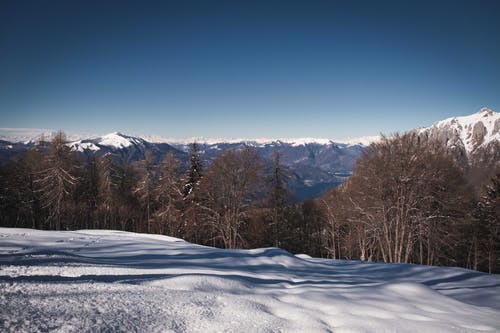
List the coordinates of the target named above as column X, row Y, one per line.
column 94, row 281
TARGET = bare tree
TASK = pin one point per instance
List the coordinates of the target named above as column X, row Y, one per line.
column 108, row 176
column 228, row 190
column 277, row 200
column 168, row 196
column 144, row 188
column 56, row 181
column 404, row 197
column 488, row 224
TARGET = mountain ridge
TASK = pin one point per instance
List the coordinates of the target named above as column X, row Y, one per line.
column 470, row 132
column 314, row 165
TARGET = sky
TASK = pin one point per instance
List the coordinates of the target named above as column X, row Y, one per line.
column 231, row 69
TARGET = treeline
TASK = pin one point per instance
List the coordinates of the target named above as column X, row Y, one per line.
column 407, row 202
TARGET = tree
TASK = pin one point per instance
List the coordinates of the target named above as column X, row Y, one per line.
column 86, row 196
column 144, row 188
column 227, row 192
column 108, row 175
column 333, row 205
column 489, row 224
column 276, row 200
column 168, row 196
column 195, row 170
column 405, row 201
column 19, row 196
column 56, row 181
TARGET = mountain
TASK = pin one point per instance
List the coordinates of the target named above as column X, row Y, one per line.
column 125, row 148
column 474, row 141
column 314, row 165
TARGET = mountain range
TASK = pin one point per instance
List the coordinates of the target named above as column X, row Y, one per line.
column 314, row 165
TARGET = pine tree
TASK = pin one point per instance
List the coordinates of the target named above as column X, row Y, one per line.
column 195, row 170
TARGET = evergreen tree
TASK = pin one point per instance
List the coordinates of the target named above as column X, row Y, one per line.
column 195, row 170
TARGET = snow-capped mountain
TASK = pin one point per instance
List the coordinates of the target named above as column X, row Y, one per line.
column 32, row 135
column 260, row 142
column 115, row 140
column 473, row 139
column 125, row 148
column 314, row 165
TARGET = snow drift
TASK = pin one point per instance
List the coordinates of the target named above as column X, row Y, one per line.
column 95, row 280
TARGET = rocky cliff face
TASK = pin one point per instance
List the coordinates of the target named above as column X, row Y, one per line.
column 473, row 140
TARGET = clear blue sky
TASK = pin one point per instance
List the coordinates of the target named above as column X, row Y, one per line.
column 289, row 68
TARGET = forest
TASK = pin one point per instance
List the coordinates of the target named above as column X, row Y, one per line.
column 407, row 202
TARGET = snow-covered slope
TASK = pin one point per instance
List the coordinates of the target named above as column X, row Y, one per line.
column 118, row 140
column 110, row 281
column 471, row 133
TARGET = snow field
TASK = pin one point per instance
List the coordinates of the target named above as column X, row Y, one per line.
column 110, row 281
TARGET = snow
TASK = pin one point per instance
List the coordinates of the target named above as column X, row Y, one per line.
column 261, row 142
column 362, row 141
column 82, row 146
column 118, row 140
column 94, row 281
column 464, row 127
column 28, row 135
column 23, row 134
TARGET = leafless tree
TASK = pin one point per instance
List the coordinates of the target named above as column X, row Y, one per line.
column 403, row 198
column 145, row 187
column 227, row 191
column 56, row 180
column 168, row 196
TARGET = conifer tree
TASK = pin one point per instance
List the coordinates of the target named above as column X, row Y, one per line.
column 195, row 170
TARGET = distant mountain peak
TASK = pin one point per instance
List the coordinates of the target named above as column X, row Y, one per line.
column 361, row 141
column 486, row 112
column 470, row 133
column 118, row 140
